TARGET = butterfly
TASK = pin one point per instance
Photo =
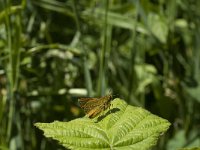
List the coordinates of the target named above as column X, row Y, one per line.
column 93, row 106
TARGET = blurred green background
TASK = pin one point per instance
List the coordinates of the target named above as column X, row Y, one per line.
column 54, row 51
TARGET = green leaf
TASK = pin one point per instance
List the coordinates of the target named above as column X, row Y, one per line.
column 114, row 19
column 120, row 127
column 194, row 92
column 158, row 27
column 183, row 141
column 146, row 75
column 194, row 148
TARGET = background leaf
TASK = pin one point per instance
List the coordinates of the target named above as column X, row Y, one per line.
column 158, row 27
column 180, row 140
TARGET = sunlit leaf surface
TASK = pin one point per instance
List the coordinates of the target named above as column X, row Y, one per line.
column 120, row 127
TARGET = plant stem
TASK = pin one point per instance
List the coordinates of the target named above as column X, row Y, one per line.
column 101, row 80
column 88, row 81
column 9, row 72
column 132, row 75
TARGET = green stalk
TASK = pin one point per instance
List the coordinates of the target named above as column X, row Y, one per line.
column 101, row 80
column 132, row 75
column 87, row 76
column 9, row 71
column 13, row 31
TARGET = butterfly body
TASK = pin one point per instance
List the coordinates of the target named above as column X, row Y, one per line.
column 94, row 106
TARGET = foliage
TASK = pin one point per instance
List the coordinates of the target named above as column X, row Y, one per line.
column 53, row 52
column 121, row 127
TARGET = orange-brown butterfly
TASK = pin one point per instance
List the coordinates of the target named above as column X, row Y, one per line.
column 94, row 106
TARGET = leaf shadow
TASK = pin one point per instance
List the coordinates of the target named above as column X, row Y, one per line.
column 113, row 110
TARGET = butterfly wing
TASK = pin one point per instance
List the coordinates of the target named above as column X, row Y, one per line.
column 94, row 112
column 88, row 104
column 98, row 109
column 93, row 106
